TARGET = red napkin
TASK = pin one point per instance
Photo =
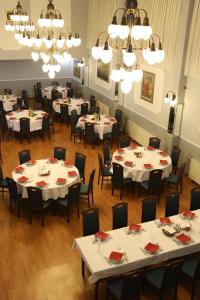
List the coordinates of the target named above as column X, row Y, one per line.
column 150, row 148
column 101, row 235
column 163, row 153
column 151, row 247
column 39, row 118
column 41, row 183
column 135, row 227
column 23, row 179
column 165, row 221
column 53, row 160
column 163, row 162
column 119, row 157
column 61, row 181
column 68, row 163
column 82, row 120
column 120, row 150
column 148, row 166
column 128, row 163
column 19, row 169
column 183, row 238
column 106, row 123
column 116, row 256
column 31, row 162
column 188, row 214
column 133, row 146
column 9, row 114
column 72, row 173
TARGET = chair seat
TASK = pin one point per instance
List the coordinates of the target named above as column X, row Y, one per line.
column 107, row 135
column 63, row 202
column 4, row 183
column 46, row 203
column 84, row 189
column 189, row 266
column 107, row 171
column 145, row 185
column 155, row 277
column 173, row 178
column 78, row 130
column 115, row 287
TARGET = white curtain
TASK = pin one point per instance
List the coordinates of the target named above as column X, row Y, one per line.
column 192, row 65
column 164, row 17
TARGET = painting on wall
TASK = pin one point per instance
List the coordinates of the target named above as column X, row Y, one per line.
column 77, row 69
column 147, row 86
column 103, row 71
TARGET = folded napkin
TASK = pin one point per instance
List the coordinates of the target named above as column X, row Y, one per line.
column 150, row 148
column 162, row 153
column 165, row 221
column 72, row 173
column 119, row 157
column 163, row 162
column 106, row 123
column 23, row 179
column 153, row 248
column 120, row 150
column 31, row 162
column 41, row 183
column 101, row 235
column 148, row 166
column 188, row 214
column 19, row 169
column 135, row 227
column 116, row 256
column 61, row 181
column 83, row 120
column 53, row 160
column 128, row 163
column 68, row 163
column 183, row 238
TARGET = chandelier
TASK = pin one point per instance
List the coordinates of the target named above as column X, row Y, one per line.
column 19, row 22
column 131, row 36
column 171, row 98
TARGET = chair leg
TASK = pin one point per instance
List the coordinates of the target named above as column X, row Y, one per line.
column 30, row 218
column 98, row 177
column 42, row 221
column 113, row 188
column 11, row 206
column 92, row 197
column 101, row 182
column 18, row 209
column 83, row 268
column 193, row 289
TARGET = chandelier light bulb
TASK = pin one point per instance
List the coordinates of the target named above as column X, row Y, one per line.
column 137, row 32
column 45, row 68
column 113, row 30
column 96, row 52
column 116, row 75
column 69, row 43
column 123, row 32
column 126, row 87
column 167, row 99
column 129, row 57
column 24, row 18
column 106, row 54
column 147, row 32
column 160, row 55
column 76, row 40
column 51, row 74
column 18, row 35
column 38, row 42
column 60, row 42
column 57, row 68
column 46, row 58
column 137, row 75
column 67, row 57
column 35, row 56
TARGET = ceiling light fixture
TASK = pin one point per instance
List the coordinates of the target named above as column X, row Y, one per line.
column 171, row 98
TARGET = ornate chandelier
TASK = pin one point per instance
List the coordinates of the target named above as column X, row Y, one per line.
column 131, row 36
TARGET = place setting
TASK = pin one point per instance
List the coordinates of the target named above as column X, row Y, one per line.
column 151, row 248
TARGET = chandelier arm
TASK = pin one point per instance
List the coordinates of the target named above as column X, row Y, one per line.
column 141, row 9
column 120, row 8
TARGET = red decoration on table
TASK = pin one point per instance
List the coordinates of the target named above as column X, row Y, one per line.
column 106, row 123
column 148, row 166
column 151, row 247
column 135, row 227
column 183, row 238
column 188, row 214
column 164, row 154
column 31, row 162
column 120, row 150
column 119, row 157
column 82, row 120
column 41, row 183
column 116, row 256
column 9, row 114
column 68, row 163
column 39, row 118
column 165, row 221
column 72, row 173
column 163, row 162
column 101, row 235
column 150, row 148
column 133, row 146
column 23, row 179
column 61, row 181
column 12, row 118
column 53, row 160
column 19, row 169
column 128, row 163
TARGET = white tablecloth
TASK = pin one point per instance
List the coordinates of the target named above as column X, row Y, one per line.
column 35, row 122
column 8, row 102
column 138, row 172
column 100, row 126
column 52, row 190
column 74, row 104
column 47, row 91
column 133, row 244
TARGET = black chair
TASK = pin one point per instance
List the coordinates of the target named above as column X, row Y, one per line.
column 123, row 129
column 24, row 156
column 195, row 198
column 38, row 85
column 176, row 151
column 120, row 215
column 84, row 109
column 68, row 84
column 15, row 197
column 5, row 130
column 118, row 179
column 148, row 209
column 1, row 159
column 106, row 154
column 45, row 126
column 191, row 269
column 36, row 203
column 172, row 205
column 90, row 135
column 118, row 115
column 154, row 184
column 48, row 105
column 103, row 171
column 7, row 91
column 87, row 189
column 92, row 101
column 59, row 153
column 1, row 107
column 25, row 98
column 64, row 113
column 70, row 93
column 73, row 198
column 154, row 142
column 126, row 287
column 80, row 164
column 19, row 103
column 54, row 95
column 24, row 129
column 114, row 135
column 3, row 182
column 177, row 180
column 76, row 132
column 94, row 110
column 164, row 280
column 36, row 94
column 125, row 142
column 38, row 106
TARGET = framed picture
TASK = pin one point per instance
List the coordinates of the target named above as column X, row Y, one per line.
column 103, row 71
column 77, row 69
column 147, row 86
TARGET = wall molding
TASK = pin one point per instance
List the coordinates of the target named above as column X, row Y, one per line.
column 33, row 79
column 190, row 142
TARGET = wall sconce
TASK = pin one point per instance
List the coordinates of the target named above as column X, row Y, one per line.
column 171, row 98
column 81, row 63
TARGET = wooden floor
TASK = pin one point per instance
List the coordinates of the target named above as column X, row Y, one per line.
column 38, row 263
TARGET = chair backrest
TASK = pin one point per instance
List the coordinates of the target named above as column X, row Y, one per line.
column 120, row 215
column 3, row 123
column 195, row 198
column 115, row 130
column 90, row 218
column 106, row 151
column 1, row 174
column 35, row 201
column 94, row 109
column 148, row 209
column 118, row 115
column 118, row 174
column 74, row 118
column 176, row 151
column 84, row 109
column 54, row 94
column 172, row 205
column 89, row 130
column 74, row 193
column 64, row 110
column 155, row 181
column 24, row 156
column 12, row 187
column 19, row 102
column 91, row 180
column 59, row 153
column 132, row 285
column 172, row 272
column 24, row 94
column 1, row 105
column 154, row 142
column 35, row 92
column 92, row 100
column 125, row 142
column 38, row 85
column 7, row 91
column 45, row 122
column 101, row 167
column 68, row 84
column 24, row 125
column 181, row 172
column 80, row 162
column 70, row 93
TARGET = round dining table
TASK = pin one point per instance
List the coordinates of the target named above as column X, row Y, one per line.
column 61, row 89
column 35, row 120
column 8, row 102
column 139, row 161
column 75, row 103
column 53, row 176
column 104, row 125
